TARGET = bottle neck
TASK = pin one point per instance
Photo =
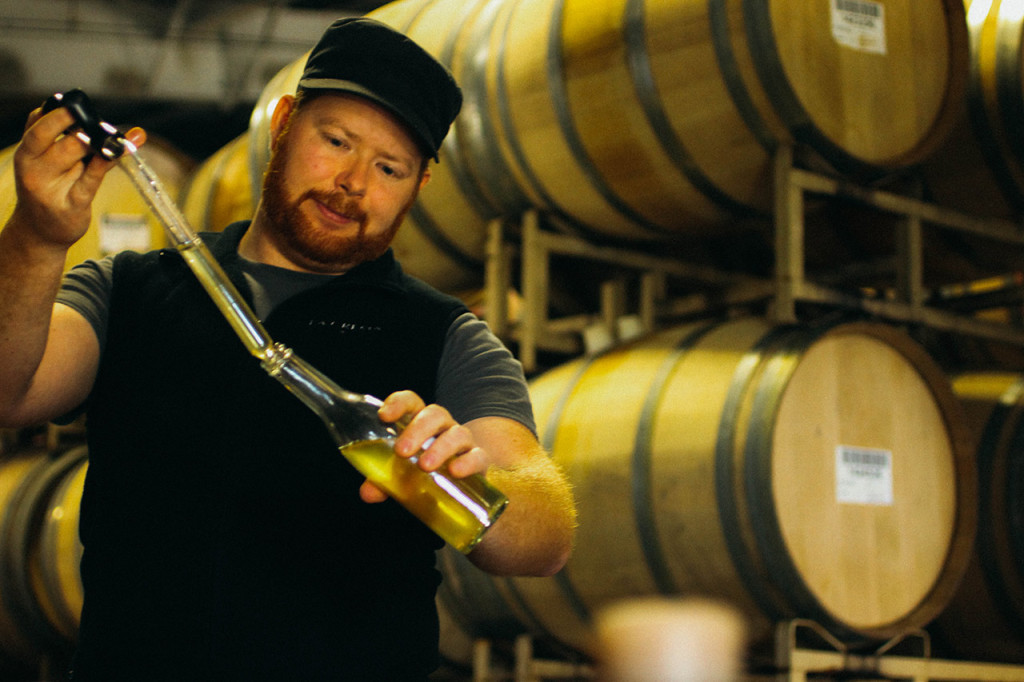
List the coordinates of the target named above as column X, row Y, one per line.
column 349, row 416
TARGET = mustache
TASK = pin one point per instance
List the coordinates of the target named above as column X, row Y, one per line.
column 339, row 202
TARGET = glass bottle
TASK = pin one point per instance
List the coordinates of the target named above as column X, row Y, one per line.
column 459, row 510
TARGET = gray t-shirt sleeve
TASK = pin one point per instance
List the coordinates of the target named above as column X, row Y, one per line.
column 479, row 377
column 86, row 289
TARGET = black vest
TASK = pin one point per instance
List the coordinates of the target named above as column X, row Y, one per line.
column 224, row 536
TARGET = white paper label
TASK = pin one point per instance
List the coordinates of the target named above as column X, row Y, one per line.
column 863, row 475
column 122, row 232
column 859, row 24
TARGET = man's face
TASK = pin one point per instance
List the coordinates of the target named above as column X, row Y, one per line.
column 342, row 177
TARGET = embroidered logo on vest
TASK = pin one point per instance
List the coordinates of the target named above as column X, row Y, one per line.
column 342, row 327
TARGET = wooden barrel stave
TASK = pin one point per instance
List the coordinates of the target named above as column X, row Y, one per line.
column 219, row 191
column 980, row 168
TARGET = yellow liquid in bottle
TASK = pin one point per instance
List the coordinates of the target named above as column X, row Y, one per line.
column 422, row 493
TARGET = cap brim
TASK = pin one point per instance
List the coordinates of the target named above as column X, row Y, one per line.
column 339, row 85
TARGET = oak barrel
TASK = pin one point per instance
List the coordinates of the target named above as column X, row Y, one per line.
column 39, row 571
column 647, row 116
column 647, row 120
column 817, row 471
column 18, row 647
column 219, row 191
column 980, row 169
column 57, row 553
column 985, row 619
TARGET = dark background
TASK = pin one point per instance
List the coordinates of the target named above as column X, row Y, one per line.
column 197, row 128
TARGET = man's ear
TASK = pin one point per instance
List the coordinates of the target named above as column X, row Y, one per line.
column 279, row 119
column 425, row 178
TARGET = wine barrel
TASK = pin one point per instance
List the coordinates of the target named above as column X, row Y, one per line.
column 666, row 114
column 41, row 554
column 817, row 471
column 219, row 191
column 980, row 169
column 985, row 619
column 17, row 646
column 470, row 605
column 57, row 583
column 647, row 120
column 121, row 217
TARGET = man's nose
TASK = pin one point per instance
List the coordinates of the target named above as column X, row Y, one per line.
column 352, row 177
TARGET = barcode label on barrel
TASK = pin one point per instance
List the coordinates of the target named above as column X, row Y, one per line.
column 859, row 24
column 124, row 231
column 863, row 475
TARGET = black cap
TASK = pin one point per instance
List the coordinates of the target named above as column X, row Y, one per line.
column 368, row 58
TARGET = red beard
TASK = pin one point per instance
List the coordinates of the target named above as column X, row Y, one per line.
column 320, row 249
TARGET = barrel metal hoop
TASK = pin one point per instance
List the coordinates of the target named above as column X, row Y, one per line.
column 503, row 103
column 757, row 463
column 1015, row 515
column 434, row 234
column 475, row 93
column 642, row 76
column 718, row 18
column 1009, row 77
column 558, row 89
column 981, row 123
column 743, row 559
column 428, row 226
column 642, row 475
column 577, row 603
column 505, row 115
column 761, row 38
column 1008, row 527
column 17, row 533
column 478, row 133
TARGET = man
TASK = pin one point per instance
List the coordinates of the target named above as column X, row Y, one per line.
column 225, row 537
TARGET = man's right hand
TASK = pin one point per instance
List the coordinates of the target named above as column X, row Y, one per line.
column 55, row 189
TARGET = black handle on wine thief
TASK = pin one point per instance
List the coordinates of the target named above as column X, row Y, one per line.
column 102, row 137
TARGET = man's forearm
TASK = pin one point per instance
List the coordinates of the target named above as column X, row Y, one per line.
column 30, row 274
column 534, row 535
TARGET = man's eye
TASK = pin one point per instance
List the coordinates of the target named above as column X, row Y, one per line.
column 394, row 172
